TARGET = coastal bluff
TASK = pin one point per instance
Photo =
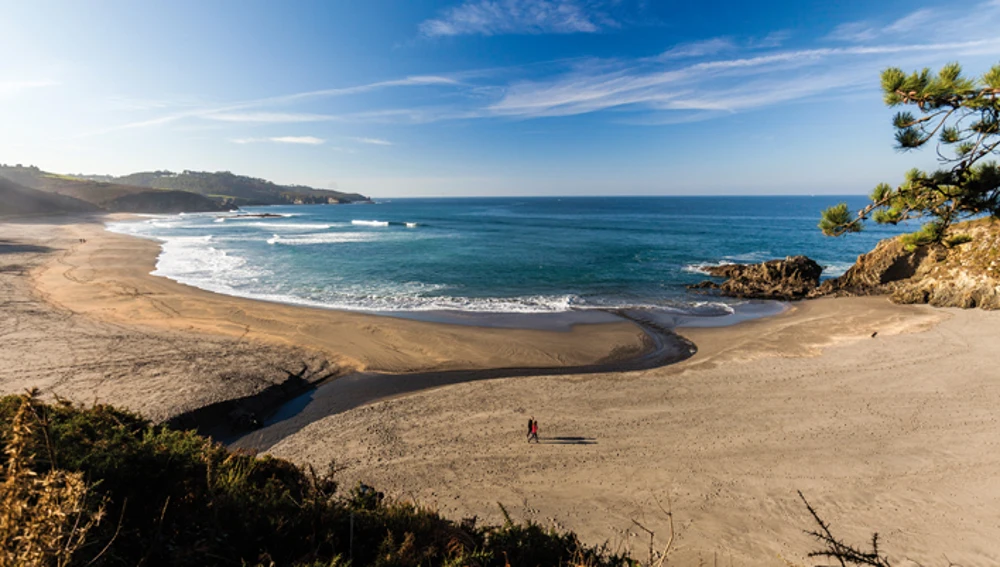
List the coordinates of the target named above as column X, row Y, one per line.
column 962, row 272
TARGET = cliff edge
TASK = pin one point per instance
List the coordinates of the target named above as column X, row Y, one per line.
column 965, row 273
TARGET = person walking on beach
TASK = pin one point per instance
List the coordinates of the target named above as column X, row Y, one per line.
column 532, row 430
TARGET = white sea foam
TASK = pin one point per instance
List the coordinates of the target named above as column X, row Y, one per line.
column 144, row 229
column 193, row 261
column 835, row 269
column 389, row 300
column 370, row 223
column 705, row 308
column 746, row 258
column 702, row 268
column 290, row 226
column 411, row 225
column 320, row 238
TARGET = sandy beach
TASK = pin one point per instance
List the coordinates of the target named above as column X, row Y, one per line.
column 895, row 433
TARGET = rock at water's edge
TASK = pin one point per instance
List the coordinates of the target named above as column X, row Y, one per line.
column 792, row 278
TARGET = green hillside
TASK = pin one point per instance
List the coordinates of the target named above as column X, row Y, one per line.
column 237, row 189
column 16, row 199
column 111, row 197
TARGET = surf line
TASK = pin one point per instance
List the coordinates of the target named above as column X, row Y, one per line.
column 260, row 421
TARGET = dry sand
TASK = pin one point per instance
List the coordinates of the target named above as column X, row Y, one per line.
column 896, row 433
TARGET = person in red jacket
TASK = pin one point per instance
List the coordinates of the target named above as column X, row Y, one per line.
column 532, row 430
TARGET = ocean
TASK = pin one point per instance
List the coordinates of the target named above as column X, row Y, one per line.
column 495, row 260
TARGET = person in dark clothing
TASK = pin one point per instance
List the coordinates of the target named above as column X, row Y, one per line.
column 531, row 423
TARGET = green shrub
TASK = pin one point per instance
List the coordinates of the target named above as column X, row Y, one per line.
column 175, row 498
column 957, row 240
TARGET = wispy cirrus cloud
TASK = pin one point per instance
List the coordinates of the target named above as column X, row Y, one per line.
column 234, row 112
column 771, row 40
column 269, row 117
column 304, row 140
column 11, row 88
column 720, row 84
column 498, row 17
column 373, row 141
column 698, row 48
column 868, row 31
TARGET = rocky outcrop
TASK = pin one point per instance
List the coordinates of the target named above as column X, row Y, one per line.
column 163, row 202
column 795, row 277
column 889, row 262
column 965, row 274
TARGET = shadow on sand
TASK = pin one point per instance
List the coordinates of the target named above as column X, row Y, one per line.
column 12, row 247
column 567, row 441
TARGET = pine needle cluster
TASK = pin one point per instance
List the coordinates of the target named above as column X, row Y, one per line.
column 960, row 114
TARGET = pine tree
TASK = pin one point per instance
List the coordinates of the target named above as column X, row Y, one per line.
column 963, row 116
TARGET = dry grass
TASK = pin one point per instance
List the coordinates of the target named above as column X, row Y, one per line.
column 43, row 519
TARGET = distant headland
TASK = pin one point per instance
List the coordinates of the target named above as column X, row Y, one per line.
column 30, row 190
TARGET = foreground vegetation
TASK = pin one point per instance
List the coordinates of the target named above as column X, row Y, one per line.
column 101, row 486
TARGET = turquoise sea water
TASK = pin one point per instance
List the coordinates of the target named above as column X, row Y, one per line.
column 496, row 255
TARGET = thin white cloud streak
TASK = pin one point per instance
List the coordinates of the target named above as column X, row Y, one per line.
column 269, row 117
column 868, row 31
column 698, row 49
column 413, row 81
column 853, row 31
column 225, row 109
column 910, row 22
column 373, row 141
column 771, row 40
column 496, row 17
column 13, row 88
column 303, row 140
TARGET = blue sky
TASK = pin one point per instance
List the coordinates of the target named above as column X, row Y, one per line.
column 478, row 97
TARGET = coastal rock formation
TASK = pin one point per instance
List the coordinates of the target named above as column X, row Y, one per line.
column 889, row 262
column 792, row 278
column 965, row 274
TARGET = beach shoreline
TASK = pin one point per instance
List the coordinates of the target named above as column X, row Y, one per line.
column 878, row 431
column 118, row 286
